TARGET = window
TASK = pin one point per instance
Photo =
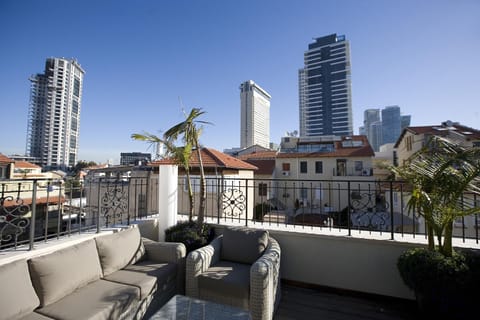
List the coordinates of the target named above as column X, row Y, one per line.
column 318, row 167
column 303, row 167
column 303, row 193
column 262, row 189
column 286, row 166
column 76, row 87
column 408, row 142
column 358, row 165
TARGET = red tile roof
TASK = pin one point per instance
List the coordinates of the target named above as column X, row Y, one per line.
column 28, row 201
column 212, row 158
column 26, row 164
column 365, row 150
column 4, row 159
column 258, row 155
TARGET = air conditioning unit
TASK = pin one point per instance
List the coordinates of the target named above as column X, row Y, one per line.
column 286, row 173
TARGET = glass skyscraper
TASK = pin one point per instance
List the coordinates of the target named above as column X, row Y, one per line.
column 391, row 124
column 54, row 113
column 325, row 88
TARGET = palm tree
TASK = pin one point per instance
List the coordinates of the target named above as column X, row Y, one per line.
column 443, row 177
column 190, row 131
column 181, row 155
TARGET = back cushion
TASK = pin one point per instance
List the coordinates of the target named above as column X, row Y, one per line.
column 117, row 250
column 17, row 296
column 59, row 273
column 243, row 245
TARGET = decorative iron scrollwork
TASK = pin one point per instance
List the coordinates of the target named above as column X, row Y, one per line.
column 369, row 210
column 13, row 218
column 234, row 202
column 114, row 203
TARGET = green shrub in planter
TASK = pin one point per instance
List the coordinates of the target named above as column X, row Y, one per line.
column 192, row 234
column 442, row 285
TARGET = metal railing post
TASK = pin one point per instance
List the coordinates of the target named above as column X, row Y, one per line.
column 32, row 219
column 392, row 231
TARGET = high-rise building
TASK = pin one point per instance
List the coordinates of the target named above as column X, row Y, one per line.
column 384, row 126
column 391, row 124
column 254, row 115
column 371, row 117
column 325, row 88
column 54, row 113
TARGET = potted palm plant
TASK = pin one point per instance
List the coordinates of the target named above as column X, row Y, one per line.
column 445, row 179
column 191, row 233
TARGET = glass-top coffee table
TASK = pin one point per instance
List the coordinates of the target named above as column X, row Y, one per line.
column 185, row 308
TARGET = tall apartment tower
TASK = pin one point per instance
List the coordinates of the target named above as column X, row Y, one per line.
column 54, row 113
column 325, row 88
column 254, row 115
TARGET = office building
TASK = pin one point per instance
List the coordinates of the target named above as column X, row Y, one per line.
column 54, row 113
column 384, row 126
column 254, row 115
column 391, row 124
column 325, row 88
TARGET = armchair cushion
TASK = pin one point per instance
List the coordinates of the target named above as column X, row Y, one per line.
column 243, row 245
column 226, row 280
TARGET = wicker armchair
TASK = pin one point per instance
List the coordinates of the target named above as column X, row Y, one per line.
column 241, row 268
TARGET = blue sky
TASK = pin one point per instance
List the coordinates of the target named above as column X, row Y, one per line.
column 144, row 60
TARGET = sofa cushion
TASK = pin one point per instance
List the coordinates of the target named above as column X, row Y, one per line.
column 98, row 300
column 59, row 273
column 17, row 295
column 117, row 250
column 226, row 280
column 243, row 245
column 35, row 316
column 145, row 275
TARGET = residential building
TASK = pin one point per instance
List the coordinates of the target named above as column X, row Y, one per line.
column 254, row 115
column 319, row 159
column 222, row 172
column 54, row 113
column 134, row 158
column 325, row 88
column 413, row 139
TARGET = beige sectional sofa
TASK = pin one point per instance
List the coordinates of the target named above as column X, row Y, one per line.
column 115, row 276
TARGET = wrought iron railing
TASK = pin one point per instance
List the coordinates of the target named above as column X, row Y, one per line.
column 33, row 210
column 349, row 205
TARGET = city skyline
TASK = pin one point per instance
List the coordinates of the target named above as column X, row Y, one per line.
column 146, row 61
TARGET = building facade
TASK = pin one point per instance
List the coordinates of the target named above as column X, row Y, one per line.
column 325, row 88
column 54, row 113
column 134, row 158
column 254, row 115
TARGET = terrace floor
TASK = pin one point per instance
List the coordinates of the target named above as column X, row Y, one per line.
column 307, row 303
